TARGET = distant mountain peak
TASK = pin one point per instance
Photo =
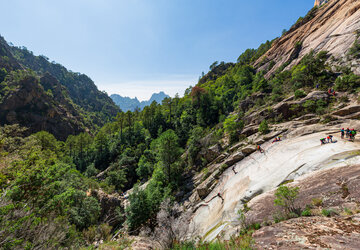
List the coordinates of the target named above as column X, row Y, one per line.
column 127, row 103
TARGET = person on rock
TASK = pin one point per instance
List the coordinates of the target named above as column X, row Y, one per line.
column 342, row 133
column 277, row 139
column 347, row 132
column 260, row 149
column 233, row 169
column 329, row 138
column 222, row 199
column 323, row 141
column 352, row 135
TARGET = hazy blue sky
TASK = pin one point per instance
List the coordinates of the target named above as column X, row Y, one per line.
column 137, row 47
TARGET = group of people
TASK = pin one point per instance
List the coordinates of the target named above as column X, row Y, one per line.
column 349, row 133
column 276, row 139
column 331, row 92
column 327, row 139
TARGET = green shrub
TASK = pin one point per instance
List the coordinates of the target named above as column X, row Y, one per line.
column 347, row 82
column 299, row 93
column 318, row 202
column 328, row 212
column 348, row 211
column 278, row 217
column 354, row 51
column 321, row 106
column 264, row 127
column 206, row 174
column 310, row 106
column 285, row 198
column 306, row 212
column 232, row 126
column 138, row 212
column 117, row 179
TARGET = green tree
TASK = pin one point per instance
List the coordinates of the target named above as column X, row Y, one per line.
column 117, row 178
column 3, row 74
column 232, row 126
column 168, row 151
column 264, row 127
column 285, row 197
column 146, row 165
column 138, row 212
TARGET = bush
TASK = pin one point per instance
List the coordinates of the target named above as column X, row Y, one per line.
column 310, row 106
column 318, row 202
column 232, row 126
column 348, row 211
column 320, row 106
column 328, row 212
column 354, row 51
column 264, row 127
column 278, row 217
column 347, row 82
column 206, row 174
column 299, row 93
column 138, row 212
column 117, row 179
column 306, row 212
column 285, row 197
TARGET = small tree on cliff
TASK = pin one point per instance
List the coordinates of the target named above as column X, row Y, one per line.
column 264, row 127
column 285, row 197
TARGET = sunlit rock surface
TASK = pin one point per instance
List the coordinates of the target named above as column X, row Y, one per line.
column 298, row 154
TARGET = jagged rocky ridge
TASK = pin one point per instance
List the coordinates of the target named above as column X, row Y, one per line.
column 127, row 103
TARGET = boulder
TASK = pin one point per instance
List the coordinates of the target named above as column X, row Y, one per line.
column 250, row 194
column 205, row 188
column 236, row 146
column 212, row 152
column 250, row 130
column 234, row 159
column 347, row 110
column 248, row 150
column 312, row 121
column 314, row 96
column 221, row 157
column 283, row 108
column 259, row 141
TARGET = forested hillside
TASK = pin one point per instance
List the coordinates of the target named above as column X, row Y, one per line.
column 71, row 102
column 136, row 174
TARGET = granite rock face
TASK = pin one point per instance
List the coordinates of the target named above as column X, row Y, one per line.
column 310, row 233
column 320, row 2
column 333, row 28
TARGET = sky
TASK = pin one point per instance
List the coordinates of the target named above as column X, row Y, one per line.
column 138, row 47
